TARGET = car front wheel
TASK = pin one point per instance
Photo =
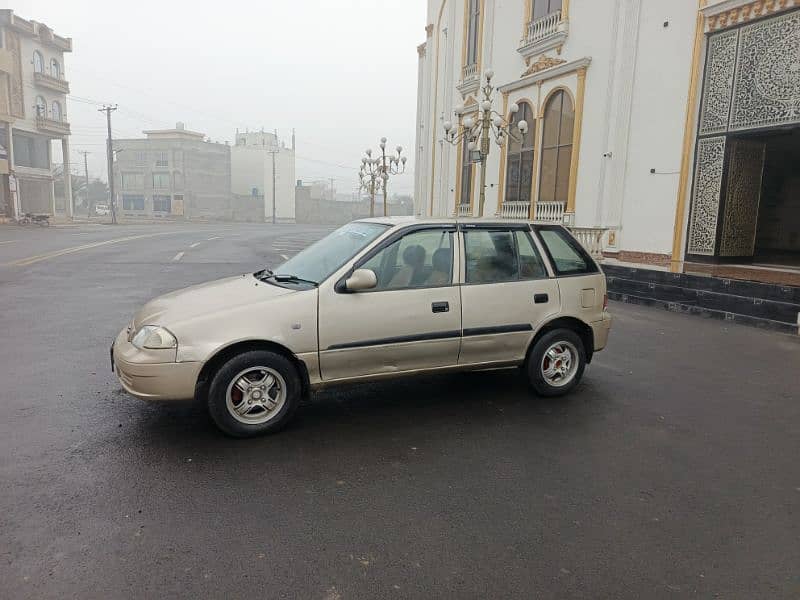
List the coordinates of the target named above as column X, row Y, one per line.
column 556, row 362
column 253, row 393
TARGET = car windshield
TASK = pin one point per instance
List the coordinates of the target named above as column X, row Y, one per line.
column 317, row 262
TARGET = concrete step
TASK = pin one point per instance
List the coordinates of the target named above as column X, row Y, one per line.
column 737, row 287
column 759, row 304
column 707, row 313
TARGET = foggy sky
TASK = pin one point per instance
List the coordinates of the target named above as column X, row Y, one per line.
column 343, row 73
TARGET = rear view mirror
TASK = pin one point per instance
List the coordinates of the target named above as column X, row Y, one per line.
column 361, row 279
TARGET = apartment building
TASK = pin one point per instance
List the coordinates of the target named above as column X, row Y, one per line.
column 172, row 173
column 33, row 90
column 255, row 157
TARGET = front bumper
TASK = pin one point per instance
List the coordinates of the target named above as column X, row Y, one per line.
column 601, row 329
column 142, row 376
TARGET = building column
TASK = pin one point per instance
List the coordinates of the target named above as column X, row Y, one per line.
column 13, row 196
column 67, row 176
column 576, row 140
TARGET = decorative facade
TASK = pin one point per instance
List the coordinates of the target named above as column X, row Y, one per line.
column 650, row 99
column 750, row 94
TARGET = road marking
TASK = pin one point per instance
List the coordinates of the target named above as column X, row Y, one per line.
column 211, row 239
column 24, row 262
column 8, row 241
column 284, row 257
column 178, row 256
column 195, row 245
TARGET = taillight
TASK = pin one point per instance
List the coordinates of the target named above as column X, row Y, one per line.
column 605, row 301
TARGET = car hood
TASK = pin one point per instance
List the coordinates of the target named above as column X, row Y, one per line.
column 214, row 297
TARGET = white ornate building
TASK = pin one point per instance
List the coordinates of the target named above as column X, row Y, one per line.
column 672, row 127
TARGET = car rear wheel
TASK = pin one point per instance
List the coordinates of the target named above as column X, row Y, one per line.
column 556, row 362
column 253, row 393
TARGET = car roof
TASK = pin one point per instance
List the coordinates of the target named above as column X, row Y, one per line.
column 413, row 220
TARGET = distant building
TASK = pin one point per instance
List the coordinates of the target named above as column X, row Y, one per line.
column 173, row 173
column 252, row 172
column 32, row 114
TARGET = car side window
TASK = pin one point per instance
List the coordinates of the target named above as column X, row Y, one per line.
column 567, row 256
column 491, row 256
column 530, row 262
column 420, row 259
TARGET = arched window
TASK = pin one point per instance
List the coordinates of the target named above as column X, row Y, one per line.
column 473, row 29
column 55, row 69
column 41, row 106
column 56, row 110
column 519, row 169
column 38, row 62
column 559, row 118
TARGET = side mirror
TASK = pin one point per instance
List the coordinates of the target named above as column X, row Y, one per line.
column 361, row 279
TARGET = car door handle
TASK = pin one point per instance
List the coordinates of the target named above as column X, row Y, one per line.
column 540, row 298
column 439, row 307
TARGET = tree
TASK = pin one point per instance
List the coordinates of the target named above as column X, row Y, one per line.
column 97, row 192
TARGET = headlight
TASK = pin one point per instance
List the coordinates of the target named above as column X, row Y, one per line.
column 154, row 337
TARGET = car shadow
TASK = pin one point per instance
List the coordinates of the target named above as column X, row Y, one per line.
column 463, row 404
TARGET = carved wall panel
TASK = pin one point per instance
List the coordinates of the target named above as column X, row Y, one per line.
column 705, row 195
column 718, row 82
column 766, row 89
column 16, row 95
column 742, row 197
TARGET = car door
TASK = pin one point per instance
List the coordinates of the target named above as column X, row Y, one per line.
column 410, row 321
column 507, row 293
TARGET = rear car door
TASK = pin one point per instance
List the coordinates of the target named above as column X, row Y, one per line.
column 410, row 321
column 581, row 283
column 507, row 292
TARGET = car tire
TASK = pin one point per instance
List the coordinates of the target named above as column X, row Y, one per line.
column 253, row 393
column 556, row 363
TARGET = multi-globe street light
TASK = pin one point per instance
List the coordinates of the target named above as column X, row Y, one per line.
column 375, row 172
column 476, row 132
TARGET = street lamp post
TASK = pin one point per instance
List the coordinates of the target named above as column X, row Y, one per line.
column 476, row 132
column 369, row 175
column 378, row 170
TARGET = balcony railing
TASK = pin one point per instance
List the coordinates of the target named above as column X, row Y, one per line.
column 515, row 210
column 542, row 28
column 591, row 238
column 470, row 79
column 52, row 126
column 469, row 72
column 464, row 210
column 550, row 212
column 54, row 83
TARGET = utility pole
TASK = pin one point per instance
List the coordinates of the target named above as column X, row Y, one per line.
column 86, row 189
column 110, row 158
column 333, row 196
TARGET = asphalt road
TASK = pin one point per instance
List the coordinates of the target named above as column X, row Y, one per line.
column 672, row 472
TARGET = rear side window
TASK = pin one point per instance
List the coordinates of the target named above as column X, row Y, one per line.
column 566, row 254
column 497, row 256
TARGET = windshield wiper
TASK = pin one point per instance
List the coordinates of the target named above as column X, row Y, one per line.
column 263, row 274
column 282, row 277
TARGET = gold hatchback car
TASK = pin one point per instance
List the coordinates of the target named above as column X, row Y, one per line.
column 376, row 298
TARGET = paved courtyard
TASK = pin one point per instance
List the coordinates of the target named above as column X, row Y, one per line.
column 672, row 472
